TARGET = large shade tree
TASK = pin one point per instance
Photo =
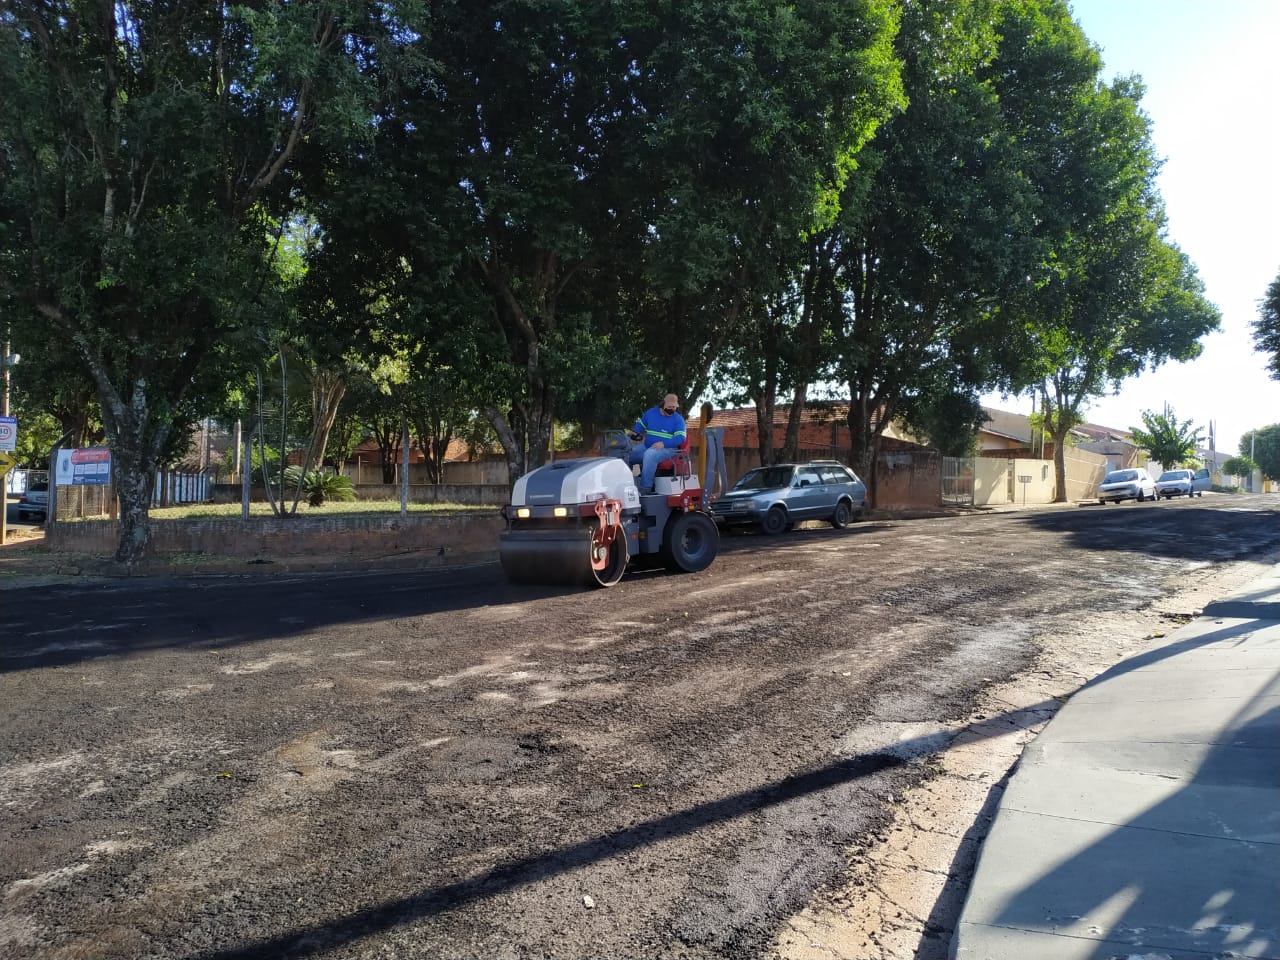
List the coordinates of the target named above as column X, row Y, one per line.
column 147, row 149
column 1266, row 328
column 942, row 215
column 1112, row 295
column 600, row 180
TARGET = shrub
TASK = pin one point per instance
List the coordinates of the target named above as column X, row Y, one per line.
column 319, row 485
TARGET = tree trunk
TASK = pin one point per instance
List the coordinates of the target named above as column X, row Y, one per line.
column 133, row 455
column 1060, row 465
column 764, row 400
column 327, row 390
column 791, row 442
column 133, row 481
column 511, row 444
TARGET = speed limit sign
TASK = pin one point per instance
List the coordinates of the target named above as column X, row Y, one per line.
column 8, row 433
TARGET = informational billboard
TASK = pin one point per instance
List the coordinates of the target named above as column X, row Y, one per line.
column 90, row 466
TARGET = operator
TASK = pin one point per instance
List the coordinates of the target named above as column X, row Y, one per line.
column 658, row 432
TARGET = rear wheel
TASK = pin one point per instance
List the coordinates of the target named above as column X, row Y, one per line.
column 691, row 542
column 843, row 515
column 775, row 521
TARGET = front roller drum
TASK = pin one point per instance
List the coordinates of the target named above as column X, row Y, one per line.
column 561, row 557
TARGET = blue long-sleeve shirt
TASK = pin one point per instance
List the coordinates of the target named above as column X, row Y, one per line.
column 658, row 426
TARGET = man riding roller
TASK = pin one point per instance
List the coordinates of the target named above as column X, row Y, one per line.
column 657, row 432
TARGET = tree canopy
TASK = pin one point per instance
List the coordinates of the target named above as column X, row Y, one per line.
column 1262, row 446
column 1169, row 441
column 1266, row 328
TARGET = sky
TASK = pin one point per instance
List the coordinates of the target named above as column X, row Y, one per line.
column 1212, row 81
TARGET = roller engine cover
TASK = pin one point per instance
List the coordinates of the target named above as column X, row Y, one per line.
column 570, row 482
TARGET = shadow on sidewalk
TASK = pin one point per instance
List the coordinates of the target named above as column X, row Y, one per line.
column 1198, row 871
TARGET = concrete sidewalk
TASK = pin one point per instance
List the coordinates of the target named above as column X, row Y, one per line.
column 1143, row 823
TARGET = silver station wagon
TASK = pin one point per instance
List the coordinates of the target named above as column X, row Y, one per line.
column 776, row 497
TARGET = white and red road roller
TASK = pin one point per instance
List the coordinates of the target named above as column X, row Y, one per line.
column 584, row 521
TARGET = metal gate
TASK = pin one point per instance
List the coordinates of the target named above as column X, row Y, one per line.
column 957, row 481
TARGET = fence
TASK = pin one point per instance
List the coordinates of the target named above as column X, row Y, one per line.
column 957, row 480
column 172, row 488
column 80, row 501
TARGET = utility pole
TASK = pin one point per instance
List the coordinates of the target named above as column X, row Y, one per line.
column 7, row 360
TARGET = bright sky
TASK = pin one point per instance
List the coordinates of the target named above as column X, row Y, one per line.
column 1213, row 93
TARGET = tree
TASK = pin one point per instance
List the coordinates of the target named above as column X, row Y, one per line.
column 1112, row 296
column 598, row 182
column 1238, row 467
column 941, row 218
column 1266, row 329
column 51, row 380
column 1263, row 447
column 1169, row 441
column 147, row 151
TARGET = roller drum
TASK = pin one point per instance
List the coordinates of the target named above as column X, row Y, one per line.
column 557, row 557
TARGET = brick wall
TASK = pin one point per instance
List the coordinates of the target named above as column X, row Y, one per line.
column 352, row 536
column 468, row 494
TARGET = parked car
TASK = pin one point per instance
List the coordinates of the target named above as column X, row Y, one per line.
column 1131, row 484
column 777, row 497
column 1183, row 483
column 1175, row 483
column 1201, row 482
column 35, row 502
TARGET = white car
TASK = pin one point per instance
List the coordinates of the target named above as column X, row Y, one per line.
column 1183, row 483
column 1131, row 484
column 1176, row 483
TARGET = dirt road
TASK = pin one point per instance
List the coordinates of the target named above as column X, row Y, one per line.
column 446, row 766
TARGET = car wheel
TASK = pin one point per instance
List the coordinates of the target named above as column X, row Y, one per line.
column 843, row 515
column 1102, row 501
column 775, row 521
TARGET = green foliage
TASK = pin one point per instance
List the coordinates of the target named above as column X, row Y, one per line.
column 948, row 421
column 949, row 214
column 1263, row 446
column 1169, row 441
column 318, row 486
column 1238, row 467
column 147, row 155
column 1266, row 329
column 37, row 434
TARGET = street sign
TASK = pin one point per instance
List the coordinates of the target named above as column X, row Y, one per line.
column 8, row 433
column 7, row 463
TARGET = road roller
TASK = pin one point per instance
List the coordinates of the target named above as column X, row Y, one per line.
column 584, row 522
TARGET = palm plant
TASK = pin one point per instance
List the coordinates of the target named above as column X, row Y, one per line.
column 319, row 485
